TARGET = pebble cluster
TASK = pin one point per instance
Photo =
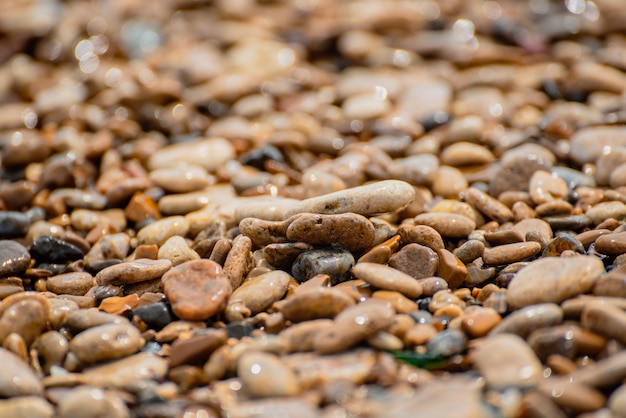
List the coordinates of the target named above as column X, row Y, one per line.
column 313, row 208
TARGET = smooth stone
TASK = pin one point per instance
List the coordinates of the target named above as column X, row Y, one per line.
column 586, row 144
column 534, row 230
column 506, row 361
column 257, row 294
column 489, row 206
column 480, row 321
column 274, row 407
column 365, row 106
column 160, row 231
column 447, row 224
column 263, row 232
column 26, row 406
column 572, row 396
column 465, row 153
column 51, row 249
column 525, row 320
column 447, row 343
column 76, row 283
column 97, row 401
column 17, row 378
column 85, row 220
column 80, row 320
column 197, row 289
column 323, row 302
column 126, row 372
column 421, row 234
column 605, row 320
column 300, row 336
column 612, row 284
column 510, row 253
column 562, row 243
column 545, row 186
column 184, row 203
column 617, row 401
column 13, row 224
column 416, row 169
column 351, row 231
column 458, row 208
column 106, row 342
column 14, row 258
column 333, row 261
column 605, row 210
column 52, row 347
column 237, row 261
column 553, row 279
column 388, row 278
column 611, row 244
column 130, row 272
column 449, row 182
column 518, row 166
column 353, row 325
column 282, row 255
column 469, row 251
column 177, row 251
column 451, row 269
column 567, row 340
column 604, row 373
column 415, row 260
column 264, row 375
column 378, row 197
column 184, row 178
column 197, row 348
column 155, row 316
column 25, row 314
column 208, row 153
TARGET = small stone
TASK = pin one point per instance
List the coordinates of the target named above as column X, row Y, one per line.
column 160, row 231
column 415, row 260
column 76, row 283
column 617, row 401
column 26, row 406
column 507, row 361
column 177, row 251
column 447, row 224
column 323, row 302
column 125, row 372
column 449, row 182
column 264, row 375
column 567, row 340
column 50, row 249
column 197, row 289
column 119, row 305
column 333, row 261
column 257, row 294
column 106, row 342
column 525, row 320
column 388, row 278
column 447, row 343
column 52, row 347
column 14, row 258
column 237, row 261
column 554, row 280
column 130, row 272
column 183, row 178
column 586, row 145
column 196, row 349
column 488, row 205
column 510, row 253
column 351, row 231
column 16, row 377
column 518, row 166
column 605, row 320
column 25, row 314
column 470, row 250
column 466, row 153
column 365, row 106
column 208, row 153
column 480, row 321
column 155, row 316
column 572, row 396
column 611, row 244
column 545, row 186
column 97, row 401
column 421, row 234
column 451, row 269
column 400, row 303
column 606, row 210
column 13, row 224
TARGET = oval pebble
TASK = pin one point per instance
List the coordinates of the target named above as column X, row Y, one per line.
column 130, row 272
column 447, row 224
column 336, row 262
column 14, row 258
column 106, row 342
column 98, row 401
column 387, row 278
column 17, row 378
column 264, row 375
column 351, row 231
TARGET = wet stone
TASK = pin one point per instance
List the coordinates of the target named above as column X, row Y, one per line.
column 607, row 321
column 563, row 243
column 606, row 210
column 177, row 251
column 50, row 249
column 488, row 205
column 14, row 258
column 388, row 278
column 447, row 343
column 351, row 231
column 95, row 399
column 567, row 340
column 25, row 314
column 611, row 244
column 130, row 272
column 160, row 231
column 197, row 289
column 510, row 253
column 282, row 255
column 470, row 251
column 155, row 316
column 447, row 224
column 106, row 342
column 13, row 224
column 554, row 280
column 16, row 377
column 123, row 373
column 26, row 406
column 524, row 321
column 323, row 302
column 257, row 294
column 333, row 261
column 77, row 283
column 264, row 375
column 451, row 269
column 421, row 234
column 415, row 260
column 196, row 348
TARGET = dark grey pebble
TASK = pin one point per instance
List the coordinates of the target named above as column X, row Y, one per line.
column 334, row 261
column 47, row 248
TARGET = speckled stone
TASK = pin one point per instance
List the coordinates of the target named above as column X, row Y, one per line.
column 14, row 258
column 415, row 260
column 351, row 231
column 510, row 253
column 130, row 272
column 554, row 279
column 197, row 289
column 334, row 261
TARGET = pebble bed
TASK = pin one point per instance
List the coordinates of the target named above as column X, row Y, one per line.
column 313, row 208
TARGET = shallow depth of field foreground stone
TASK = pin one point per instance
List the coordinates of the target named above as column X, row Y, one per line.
column 357, row 208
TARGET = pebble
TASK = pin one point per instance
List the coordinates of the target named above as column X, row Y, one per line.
column 14, row 258
column 554, row 280
column 470, row 250
column 586, row 145
column 480, row 321
column 365, row 106
column 449, row 182
column 527, row 319
column 51, row 249
column 351, row 231
column 451, row 269
column 466, row 153
column 264, row 375
column 449, row 225
column 488, row 205
column 17, row 378
column 415, row 260
column 208, row 153
column 518, row 166
column 567, row 340
column 447, row 343
column 106, row 342
column 25, row 314
column 197, row 348
column 125, row 372
column 322, row 302
column 572, row 396
column 181, row 179
column 605, row 320
column 421, row 234
column 388, row 278
column 98, row 401
column 545, row 186
column 176, row 250
column 507, row 361
column 611, row 244
column 510, row 253
column 606, row 210
column 156, row 315
column 617, row 401
column 13, row 224
column 160, row 231
column 374, row 198
column 77, row 283
column 336, row 262
column 563, row 243
column 257, row 294
column 197, row 289
column 130, row 272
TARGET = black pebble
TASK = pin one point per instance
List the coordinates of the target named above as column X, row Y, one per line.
column 156, row 315
column 49, row 249
column 239, row 330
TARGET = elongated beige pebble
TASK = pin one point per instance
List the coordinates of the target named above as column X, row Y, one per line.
column 387, row 278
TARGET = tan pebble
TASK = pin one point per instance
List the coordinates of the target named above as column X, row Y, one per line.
column 26, row 406
column 385, row 341
column 17, row 378
column 587, row 238
column 323, row 302
column 387, row 278
column 469, row 251
column 421, row 234
column 300, row 336
column 196, row 348
column 351, row 231
column 432, row 285
column 449, row 182
column 545, row 186
column 208, row 153
column 503, row 236
column 106, row 342
column 488, row 205
column 534, row 230
column 52, row 347
column 23, row 315
column 617, row 401
column 183, row 178
column 265, row 375
column 606, row 210
column 160, row 231
column 420, row 334
column 141, row 207
column 606, row 320
column 447, row 224
column 573, row 396
column 365, row 106
column 77, row 283
column 459, row 208
column 587, row 143
column 525, row 320
column 123, row 373
column 451, row 269
column 510, row 253
column 237, row 261
column 611, row 244
column 263, row 232
column 466, row 153
column 129, row 272
column 618, row 177
column 97, row 400
column 444, row 298
column 119, row 305
column 400, row 303
column 184, row 203
column 16, row 344
column 177, row 251
column 480, row 322
column 257, row 294
column 381, row 253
